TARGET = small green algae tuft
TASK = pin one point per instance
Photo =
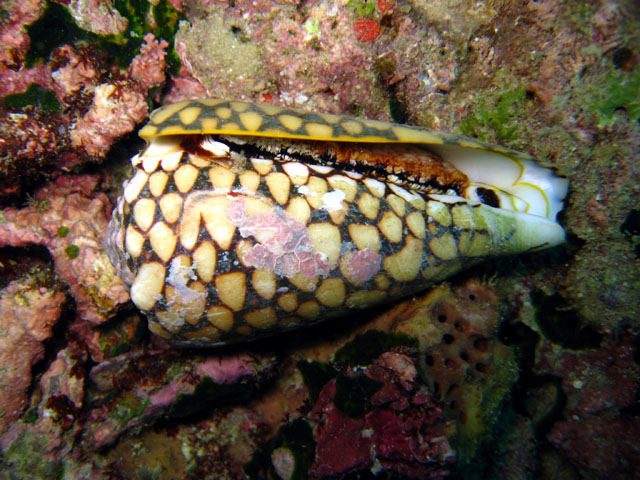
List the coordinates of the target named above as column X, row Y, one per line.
column 495, row 117
column 129, row 408
column 63, row 231
column 362, row 7
column 33, row 96
column 312, row 26
column 30, row 416
column 40, row 205
column 622, row 91
column 72, row 251
column 122, row 347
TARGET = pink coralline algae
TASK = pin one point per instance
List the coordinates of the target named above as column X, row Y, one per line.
column 76, row 73
column 121, row 105
column 184, row 87
column 97, row 16
column 116, row 110
column 403, row 432
column 99, row 104
column 284, row 246
column 148, row 67
column 69, row 219
column 18, row 81
column 14, row 41
column 326, row 62
column 318, row 62
column 27, row 315
column 177, row 4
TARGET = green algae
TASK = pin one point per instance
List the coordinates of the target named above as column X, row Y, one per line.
column 366, row 347
column 56, row 27
column 41, row 205
column 72, row 251
column 35, row 96
column 120, row 348
column 495, row 117
column 312, row 26
column 31, row 415
column 362, row 7
column 166, row 20
column 23, row 459
column 63, row 231
column 482, row 402
column 129, row 408
column 121, row 335
column 621, row 91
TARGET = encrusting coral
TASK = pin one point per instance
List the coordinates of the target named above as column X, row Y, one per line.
column 69, row 219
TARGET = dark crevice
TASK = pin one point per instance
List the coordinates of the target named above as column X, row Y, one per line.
column 563, row 325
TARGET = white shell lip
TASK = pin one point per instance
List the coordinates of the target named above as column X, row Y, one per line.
column 522, row 186
column 162, row 145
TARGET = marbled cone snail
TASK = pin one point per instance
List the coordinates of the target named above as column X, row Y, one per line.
column 242, row 220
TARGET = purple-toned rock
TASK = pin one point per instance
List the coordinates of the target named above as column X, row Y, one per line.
column 47, row 438
column 598, row 433
column 403, row 432
column 133, row 390
column 27, row 315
